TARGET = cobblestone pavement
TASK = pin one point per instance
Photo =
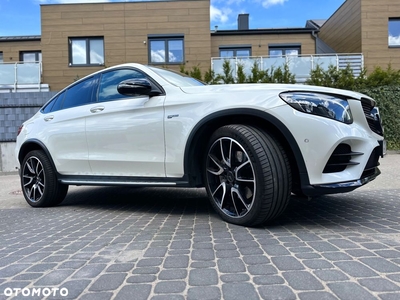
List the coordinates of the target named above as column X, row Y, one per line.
column 158, row 243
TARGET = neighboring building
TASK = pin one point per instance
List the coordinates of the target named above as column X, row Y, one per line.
column 78, row 39
column 21, row 48
column 366, row 26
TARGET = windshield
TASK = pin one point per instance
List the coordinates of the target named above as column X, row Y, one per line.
column 176, row 78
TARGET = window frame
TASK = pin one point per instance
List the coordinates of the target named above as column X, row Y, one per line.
column 38, row 56
column 87, row 42
column 397, row 19
column 284, row 48
column 166, row 38
column 235, row 48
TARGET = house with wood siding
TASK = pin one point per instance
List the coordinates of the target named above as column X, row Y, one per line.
column 78, row 39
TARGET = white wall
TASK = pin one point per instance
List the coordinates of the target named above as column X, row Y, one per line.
column 8, row 162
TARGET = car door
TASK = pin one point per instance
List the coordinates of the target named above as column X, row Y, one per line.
column 125, row 133
column 62, row 127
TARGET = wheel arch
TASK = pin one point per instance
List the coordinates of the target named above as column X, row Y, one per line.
column 34, row 144
column 199, row 138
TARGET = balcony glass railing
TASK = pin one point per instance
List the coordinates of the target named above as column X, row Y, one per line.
column 300, row 66
column 14, row 75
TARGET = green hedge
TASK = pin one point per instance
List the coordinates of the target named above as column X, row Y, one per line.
column 388, row 101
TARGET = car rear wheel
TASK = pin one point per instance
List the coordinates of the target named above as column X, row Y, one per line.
column 247, row 175
column 39, row 182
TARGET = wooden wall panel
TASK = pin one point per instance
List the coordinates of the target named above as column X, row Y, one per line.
column 361, row 26
column 124, row 26
column 12, row 49
column 375, row 45
column 342, row 31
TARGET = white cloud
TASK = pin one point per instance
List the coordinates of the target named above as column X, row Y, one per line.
column 269, row 3
column 159, row 56
column 394, row 40
column 219, row 15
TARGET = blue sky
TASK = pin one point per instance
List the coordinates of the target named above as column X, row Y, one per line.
column 22, row 17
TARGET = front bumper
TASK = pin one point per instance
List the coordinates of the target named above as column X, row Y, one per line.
column 340, row 187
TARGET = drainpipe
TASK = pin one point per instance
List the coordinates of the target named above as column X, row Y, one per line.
column 316, row 48
column 315, row 37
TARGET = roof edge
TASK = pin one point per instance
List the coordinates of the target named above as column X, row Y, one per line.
column 301, row 30
column 20, row 38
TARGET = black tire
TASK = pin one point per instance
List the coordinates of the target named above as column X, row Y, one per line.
column 247, row 175
column 39, row 181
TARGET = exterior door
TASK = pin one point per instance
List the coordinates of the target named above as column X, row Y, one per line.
column 125, row 134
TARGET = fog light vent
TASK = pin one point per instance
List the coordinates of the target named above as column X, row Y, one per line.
column 340, row 159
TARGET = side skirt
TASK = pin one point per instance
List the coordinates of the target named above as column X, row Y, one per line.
column 123, row 181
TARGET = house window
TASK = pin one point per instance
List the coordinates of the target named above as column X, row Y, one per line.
column 30, row 56
column 166, row 50
column 1, row 57
column 233, row 51
column 86, row 51
column 394, row 32
column 284, row 50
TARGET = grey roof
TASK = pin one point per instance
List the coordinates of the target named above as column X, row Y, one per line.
column 317, row 23
column 20, row 38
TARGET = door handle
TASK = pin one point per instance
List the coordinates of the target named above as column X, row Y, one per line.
column 97, row 109
column 49, row 118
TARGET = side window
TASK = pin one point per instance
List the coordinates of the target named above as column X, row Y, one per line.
column 110, row 80
column 80, row 94
column 54, row 104
column 58, row 102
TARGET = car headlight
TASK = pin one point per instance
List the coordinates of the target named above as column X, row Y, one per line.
column 323, row 105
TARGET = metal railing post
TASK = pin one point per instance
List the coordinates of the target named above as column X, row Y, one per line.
column 40, row 75
column 236, row 68
column 15, row 77
column 312, row 63
column 337, row 62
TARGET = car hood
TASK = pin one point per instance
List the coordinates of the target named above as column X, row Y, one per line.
column 269, row 88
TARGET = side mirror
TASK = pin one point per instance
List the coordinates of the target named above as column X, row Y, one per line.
column 134, row 87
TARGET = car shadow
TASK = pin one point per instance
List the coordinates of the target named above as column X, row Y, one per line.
column 329, row 210
column 150, row 200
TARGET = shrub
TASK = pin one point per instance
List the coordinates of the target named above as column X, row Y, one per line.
column 380, row 77
column 195, row 72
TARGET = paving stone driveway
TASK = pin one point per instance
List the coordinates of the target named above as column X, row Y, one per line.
column 156, row 243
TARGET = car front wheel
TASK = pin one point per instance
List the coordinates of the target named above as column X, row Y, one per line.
column 247, row 175
column 39, row 182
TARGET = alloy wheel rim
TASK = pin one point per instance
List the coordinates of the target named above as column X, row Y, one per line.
column 231, row 177
column 33, row 179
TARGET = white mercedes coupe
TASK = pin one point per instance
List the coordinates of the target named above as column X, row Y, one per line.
column 250, row 145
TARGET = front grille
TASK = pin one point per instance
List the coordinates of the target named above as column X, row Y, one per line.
column 340, row 159
column 372, row 115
